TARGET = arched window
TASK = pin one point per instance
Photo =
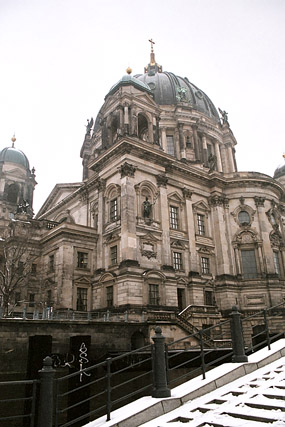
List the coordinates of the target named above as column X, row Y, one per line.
column 143, row 127
column 13, row 192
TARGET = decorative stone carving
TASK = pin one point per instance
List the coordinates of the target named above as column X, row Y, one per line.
column 218, row 201
column 100, row 184
column 127, row 169
column 187, row 193
column 162, row 180
column 259, row 201
column 251, row 212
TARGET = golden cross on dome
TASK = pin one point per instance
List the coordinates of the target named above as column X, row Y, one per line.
column 152, row 43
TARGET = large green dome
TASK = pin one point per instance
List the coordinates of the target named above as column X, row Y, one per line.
column 13, row 155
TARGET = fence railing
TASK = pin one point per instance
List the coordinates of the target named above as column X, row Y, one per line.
column 19, row 404
column 88, row 393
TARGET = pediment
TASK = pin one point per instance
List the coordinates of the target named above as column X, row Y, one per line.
column 175, row 196
column 58, row 194
column 83, row 280
column 149, row 237
column 201, row 206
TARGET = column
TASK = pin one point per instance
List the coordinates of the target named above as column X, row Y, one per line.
column 163, row 139
column 218, row 156
column 100, row 224
column 126, row 119
column 165, row 249
column 194, row 262
column 196, row 143
column 230, row 158
column 128, row 213
column 205, row 153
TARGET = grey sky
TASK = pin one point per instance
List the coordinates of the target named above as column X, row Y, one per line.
column 60, row 58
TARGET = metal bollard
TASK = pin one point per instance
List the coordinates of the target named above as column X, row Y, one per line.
column 237, row 337
column 160, row 388
column 45, row 418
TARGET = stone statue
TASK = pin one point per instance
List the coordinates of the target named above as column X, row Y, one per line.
column 146, row 208
column 89, row 126
column 224, row 115
column 212, row 160
column 23, row 207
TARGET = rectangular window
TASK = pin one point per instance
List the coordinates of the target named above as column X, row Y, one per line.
column 51, row 263
column 114, row 210
column 17, row 298
column 209, row 298
column 249, row 267
column 82, row 260
column 110, row 296
column 201, row 224
column 173, row 213
column 177, row 260
column 31, row 300
column 114, row 255
column 49, row 298
column 34, row 269
column 20, row 267
column 276, row 263
column 153, row 294
column 170, row 145
column 81, row 303
column 205, row 265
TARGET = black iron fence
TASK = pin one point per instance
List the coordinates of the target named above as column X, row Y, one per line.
column 97, row 390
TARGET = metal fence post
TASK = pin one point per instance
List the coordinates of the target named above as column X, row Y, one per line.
column 237, row 337
column 160, row 388
column 45, row 418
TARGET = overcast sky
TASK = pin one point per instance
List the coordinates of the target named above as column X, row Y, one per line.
column 59, row 59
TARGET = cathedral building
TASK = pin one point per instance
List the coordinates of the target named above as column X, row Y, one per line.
column 162, row 222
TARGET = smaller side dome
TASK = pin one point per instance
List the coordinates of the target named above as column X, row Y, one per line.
column 129, row 80
column 13, row 155
column 280, row 171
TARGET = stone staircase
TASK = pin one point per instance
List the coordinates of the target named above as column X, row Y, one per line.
column 249, row 394
column 258, row 399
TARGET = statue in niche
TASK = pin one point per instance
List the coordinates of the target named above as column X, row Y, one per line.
column 212, row 160
column 147, row 206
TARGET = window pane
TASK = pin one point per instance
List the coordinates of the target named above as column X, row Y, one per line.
column 82, row 260
column 209, row 300
column 113, row 255
column 81, row 299
column 205, row 265
column 31, row 300
column 276, row 263
column 153, row 295
column 177, row 260
column 170, row 145
column 201, row 224
column 51, row 263
column 110, row 293
column 113, row 210
column 249, row 267
column 243, row 217
column 173, row 217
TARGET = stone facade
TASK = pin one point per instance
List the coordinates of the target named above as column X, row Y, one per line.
column 162, row 222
